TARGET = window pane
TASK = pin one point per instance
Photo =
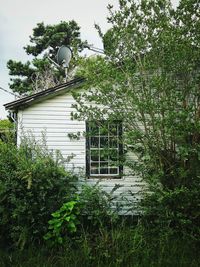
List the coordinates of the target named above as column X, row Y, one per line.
column 113, row 153
column 104, row 167
column 103, row 129
column 94, row 171
column 113, row 170
column 94, row 155
column 113, row 142
column 104, row 164
column 103, row 155
column 104, row 171
column 94, row 141
column 103, row 142
column 94, row 129
column 94, row 168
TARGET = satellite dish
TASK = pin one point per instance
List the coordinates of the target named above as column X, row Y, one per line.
column 64, row 56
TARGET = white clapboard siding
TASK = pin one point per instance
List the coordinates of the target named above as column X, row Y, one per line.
column 52, row 118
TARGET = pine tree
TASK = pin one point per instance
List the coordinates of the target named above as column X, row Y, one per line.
column 26, row 77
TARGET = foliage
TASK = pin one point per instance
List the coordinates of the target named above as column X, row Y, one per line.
column 98, row 208
column 65, row 220
column 177, row 209
column 6, row 124
column 149, row 79
column 6, row 130
column 33, row 184
column 44, row 37
column 116, row 247
column 92, row 209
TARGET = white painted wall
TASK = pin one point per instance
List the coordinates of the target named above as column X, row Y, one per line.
column 53, row 116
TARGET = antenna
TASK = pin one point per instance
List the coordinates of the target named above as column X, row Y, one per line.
column 95, row 49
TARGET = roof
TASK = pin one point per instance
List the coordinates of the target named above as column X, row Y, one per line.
column 28, row 100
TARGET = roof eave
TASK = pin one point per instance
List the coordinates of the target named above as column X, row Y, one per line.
column 28, row 100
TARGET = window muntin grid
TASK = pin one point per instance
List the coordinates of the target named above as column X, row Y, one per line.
column 104, row 148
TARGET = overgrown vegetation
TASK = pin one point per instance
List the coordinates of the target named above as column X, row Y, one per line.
column 123, row 245
column 7, row 131
column 33, row 184
column 84, row 231
column 90, row 211
column 149, row 80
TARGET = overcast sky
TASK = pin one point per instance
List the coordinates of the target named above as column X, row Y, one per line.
column 19, row 17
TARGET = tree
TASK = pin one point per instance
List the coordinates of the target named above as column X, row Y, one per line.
column 44, row 37
column 150, row 80
column 6, row 130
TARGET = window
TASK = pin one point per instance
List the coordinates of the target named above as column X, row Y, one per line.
column 104, row 149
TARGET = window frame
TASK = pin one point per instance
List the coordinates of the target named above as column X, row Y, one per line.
column 88, row 152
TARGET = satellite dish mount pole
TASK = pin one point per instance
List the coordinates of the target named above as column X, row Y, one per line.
column 66, row 71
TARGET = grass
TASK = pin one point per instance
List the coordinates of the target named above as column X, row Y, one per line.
column 122, row 246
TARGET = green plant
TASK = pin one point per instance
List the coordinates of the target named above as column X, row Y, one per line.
column 123, row 245
column 150, row 81
column 176, row 209
column 92, row 210
column 98, row 207
column 38, row 72
column 64, row 222
column 33, row 184
column 7, row 131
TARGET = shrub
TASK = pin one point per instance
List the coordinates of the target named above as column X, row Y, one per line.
column 174, row 210
column 7, row 131
column 98, row 208
column 33, row 184
column 65, row 220
column 87, row 212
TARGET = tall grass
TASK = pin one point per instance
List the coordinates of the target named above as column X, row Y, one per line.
column 123, row 245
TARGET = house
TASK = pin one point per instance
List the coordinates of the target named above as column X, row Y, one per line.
column 49, row 111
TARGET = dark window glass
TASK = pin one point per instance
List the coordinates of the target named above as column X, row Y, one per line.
column 103, row 142
column 113, row 170
column 95, row 168
column 94, row 141
column 94, row 155
column 103, row 129
column 113, row 142
column 104, row 155
column 93, row 129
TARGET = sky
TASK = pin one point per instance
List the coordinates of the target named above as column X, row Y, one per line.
column 19, row 17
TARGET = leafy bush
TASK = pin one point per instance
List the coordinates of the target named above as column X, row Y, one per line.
column 97, row 206
column 6, row 124
column 65, row 220
column 174, row 210
column 7, row 131
column 92, row 210
column 33, row 184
